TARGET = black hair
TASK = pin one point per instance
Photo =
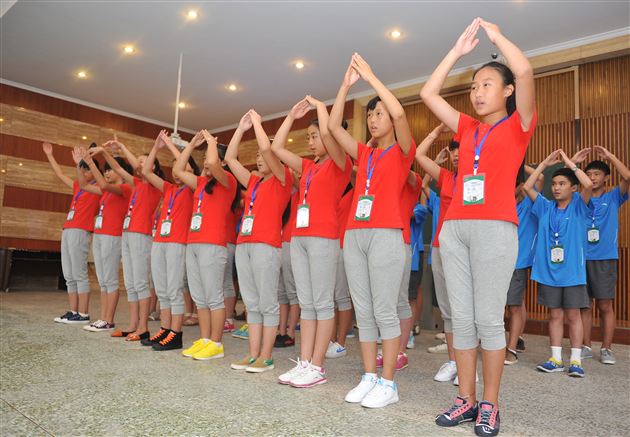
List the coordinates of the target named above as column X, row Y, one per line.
column 349, row 187
column 508, row 79
column 567, row 173
column 453, row 145
column 520, row 176
column 122, row 162
column 315, row 122
column 84, row 166
column 286, row 215
column 598, row 165
column 221, row 149
column 194, row 166
column 372, row 104
column 157, row 169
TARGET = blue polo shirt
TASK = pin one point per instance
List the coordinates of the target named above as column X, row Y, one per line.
column 417, row 237
column 433, row 206
column 569, row 224
column 527, row 231
column 605, row 216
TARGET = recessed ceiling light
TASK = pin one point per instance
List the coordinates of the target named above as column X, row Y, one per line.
column 395, row 34
column 1, row 119
column 129, row 50
column 20, row 164
column 3, row 171
column 192, row 14
column 232, row 87
column 82, row 74
column 299, row 65
column 84, row 137
column 182, row 105
column 290, row 140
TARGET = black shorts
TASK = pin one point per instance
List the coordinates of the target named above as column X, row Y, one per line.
column 516, row 292
column 415, row 279
column 563, row 297
column 601, row 278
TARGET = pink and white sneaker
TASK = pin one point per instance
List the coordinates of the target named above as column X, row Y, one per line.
column 402, row 361
column 309, row 377
column 228, row 326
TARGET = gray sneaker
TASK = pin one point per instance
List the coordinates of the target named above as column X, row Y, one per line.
column 587, row 352
column 606, row 356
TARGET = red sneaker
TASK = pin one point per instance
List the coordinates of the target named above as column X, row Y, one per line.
column 228, row 326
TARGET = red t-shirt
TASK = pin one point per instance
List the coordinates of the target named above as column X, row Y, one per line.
column 446, row 185
column 181, row 210
column 290, row 224
column 85, row 206
column 214, row 210
column 142, row 204
column 408, row 201
column 327, row 183
column 343, row 210
column 271, row 200
column 113, row 207
column 500, row 160
column 230, row 224
column 388, row 178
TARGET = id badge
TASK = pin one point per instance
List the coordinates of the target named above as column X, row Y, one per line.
column 364, row 208
column 593, row 235
column 248, row 225
column 302, row 220
column 195, row 222
column 98, row 222
column 153, row 232
column 165, row 229
column 474, row 189
column 126, row 222
column 70, row 215
column 557, row 254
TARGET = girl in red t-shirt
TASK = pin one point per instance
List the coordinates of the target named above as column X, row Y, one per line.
column 75, row 238
column 314, row 237
column 258, row 248
column 373, row 248
column 478, row 241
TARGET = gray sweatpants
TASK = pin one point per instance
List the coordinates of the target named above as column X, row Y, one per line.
column 478, row 257
column 289, row 295
column 375, row 260
column 258, row 267
column 107, row 252
column 75, row 245
column 314, row 262
column 441, row 293
column 168, row 263
column 403, row 309
column 342, row 292
column 228, row 275
column 205, row 268
column 136, row 257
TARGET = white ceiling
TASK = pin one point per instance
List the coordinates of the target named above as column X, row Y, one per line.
column 44, row 44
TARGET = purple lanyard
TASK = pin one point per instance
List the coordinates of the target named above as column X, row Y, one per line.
column 254, row 193
column 172, row 201
column 479, row 146
column 370, row 168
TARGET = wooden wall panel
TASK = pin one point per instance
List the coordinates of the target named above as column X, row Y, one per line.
column 30, row 224
column 36, row 199
column 605, row 87
column 35, row 175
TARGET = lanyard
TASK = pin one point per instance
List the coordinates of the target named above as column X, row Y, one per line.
column 172, row 201
column 595, row 210
column 133, row 201
column 554, row 220
column 199, row 200
column 370, row 167
column 309, row 179
column 74, row 202
column 479, row 146
column 102, row 207
column 253, row 199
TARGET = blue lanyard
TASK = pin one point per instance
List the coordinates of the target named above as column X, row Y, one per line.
column 370, row 167
column 172, row 201
column 105, row 197
column 309, row 179
column 555, row 218
column 199, row 200
column 79, row 193
column 254, row 192
column 133, row 201
column 595, row 209
column 479, row 146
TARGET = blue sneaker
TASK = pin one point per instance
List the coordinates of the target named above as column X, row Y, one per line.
column 63, row 318
column 77, row 319
column 242, row 332
column 461, row 411
column 350, row 334
column 488, row 421
column 551, row 366
column 576, row 370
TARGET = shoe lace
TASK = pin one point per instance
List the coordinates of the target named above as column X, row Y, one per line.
column 454, row 408
column 485, row 416
column 158, row 335
column 168, row 339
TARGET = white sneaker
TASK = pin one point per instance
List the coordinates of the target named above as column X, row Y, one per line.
column 411, row 342
column 286, row 377
column 94, row 326
column 440, row 336
column 357, row 394
column 447, row 372
column 381, row 395
column 309, row 377
column 456, row 380
column 335, row 350
column 439, row 349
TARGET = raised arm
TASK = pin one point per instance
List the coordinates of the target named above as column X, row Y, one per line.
column 130, row 157
column 552, row 159
column 622, row 169
column 426, row 189
column 48, row 151
column 147, row 168
column 523, row 73
column 587, row 184
column 101, row 184
column 427, row 164
column 540, row 182
column 265, row 147
column 169, row 144
column 179, row 169
column 336, row 153
column 299, row 110
column 231, row 155
column 212, row 158
column 127, row 177
column 395, row 109
column 343, row 137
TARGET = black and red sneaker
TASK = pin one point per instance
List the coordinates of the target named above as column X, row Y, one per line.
column 461, row 411
column 155, row 338
column 284, row 341
column 172, row 341
column 488, row 420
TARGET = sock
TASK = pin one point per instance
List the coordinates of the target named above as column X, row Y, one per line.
column 73, row 312
column 576, row 355
column 452, row 362
column 206, row 340
column 319, row 369
column 556, row 353
column 388, row 383
column 587, row 347
column 218, row 343
column 372, row 375
column 83, row 315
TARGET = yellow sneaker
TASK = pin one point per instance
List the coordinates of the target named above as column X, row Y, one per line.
column 209, row 352
column 196, row 347
column 243, row 364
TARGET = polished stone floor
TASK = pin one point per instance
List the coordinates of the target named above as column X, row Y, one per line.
column 61, row 380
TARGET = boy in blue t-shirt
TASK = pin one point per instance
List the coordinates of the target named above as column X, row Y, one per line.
column 417, row 261
column 559, row 265
column 602, row 227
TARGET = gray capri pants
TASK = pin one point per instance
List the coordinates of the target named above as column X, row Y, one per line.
column 375, row 260
column 75, row 245
column 205, row 267
column 107, row 252
column 136, row 257
column 441, row 292
column 168, row 263
column 289, row 294
column 342, row 292
column 314, row 262
column 478, row 258
column 228, row 275
column 258, row 267
column 403, row 308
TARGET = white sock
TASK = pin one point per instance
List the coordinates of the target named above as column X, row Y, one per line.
column 556, row 353
column 218, row 343
column 83, row 315
column 374, row 376
column 319, row 369
column 452, row 362
column 388, row 382
column 576, row 355
column 73, row 312
column 206, row 340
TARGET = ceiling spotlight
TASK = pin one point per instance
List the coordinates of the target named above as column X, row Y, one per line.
column 1, row 119
column 20, row 164
column 192, row 14
column 232, row 87
column 299, row 65
column 395, row 34
column 290, row 140
column 84, row 137
column 182, row 105
column 129, row 50
column 3, row 171
column 82, row 74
